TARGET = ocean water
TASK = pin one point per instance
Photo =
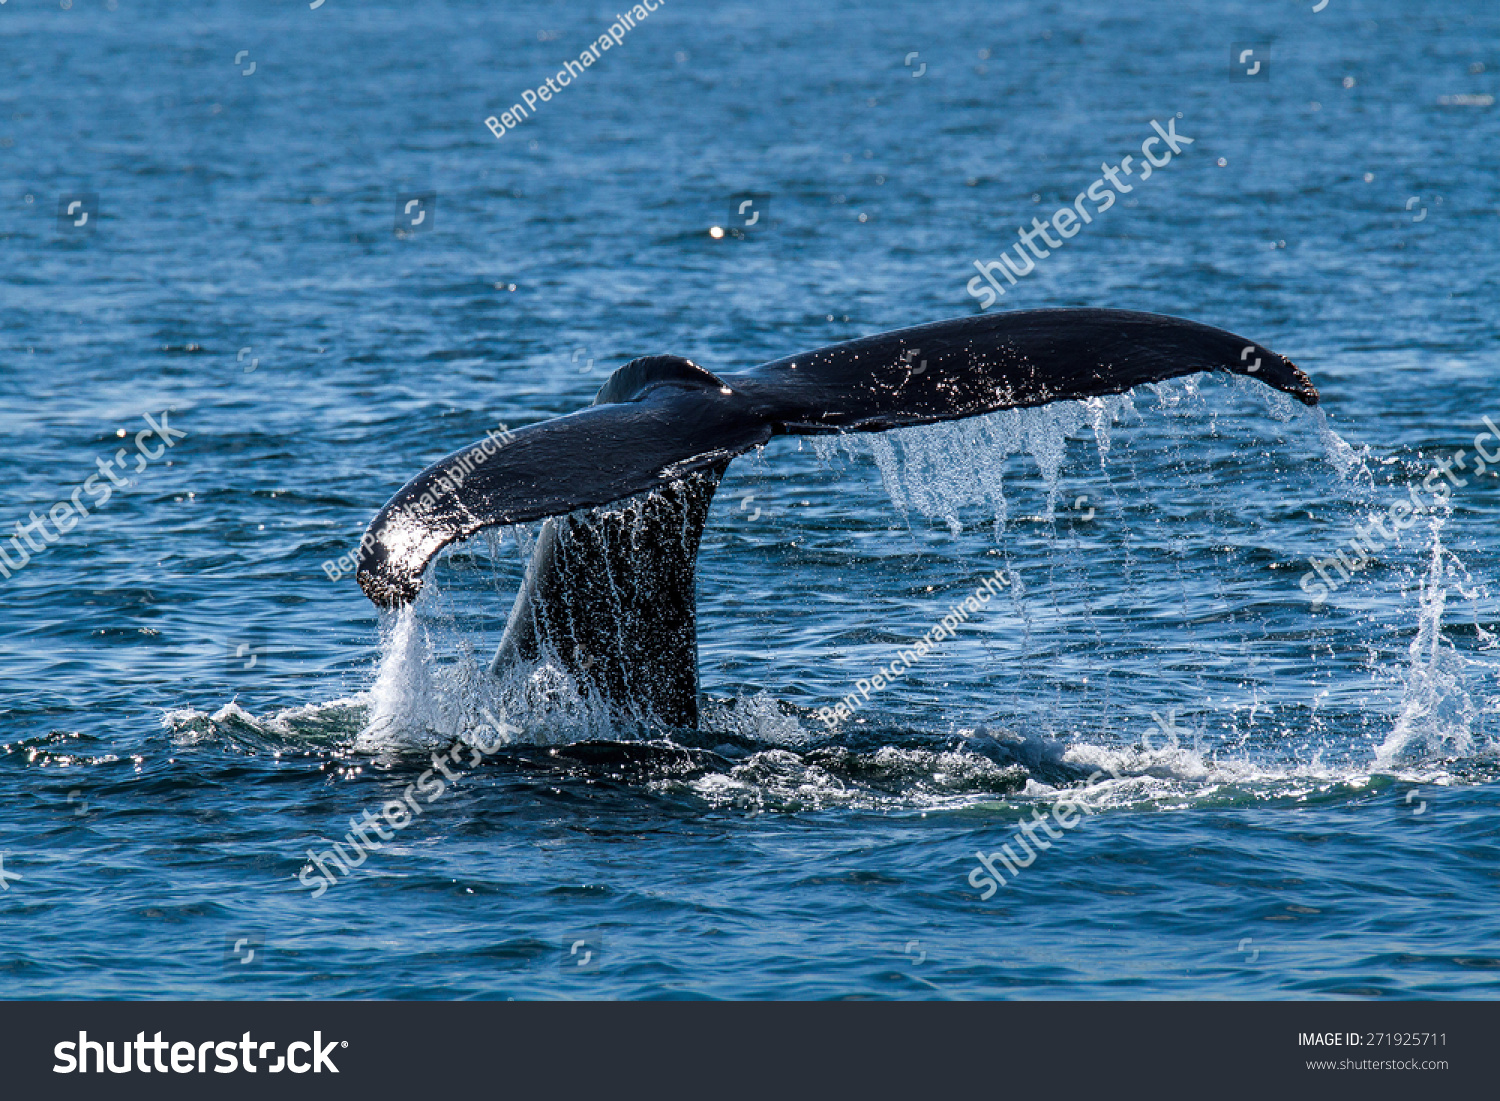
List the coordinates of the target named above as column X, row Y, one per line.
column 1266, row 795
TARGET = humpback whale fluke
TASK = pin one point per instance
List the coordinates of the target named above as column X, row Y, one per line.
column 611, row 595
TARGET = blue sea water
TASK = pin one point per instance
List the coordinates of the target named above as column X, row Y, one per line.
column 1289, row 799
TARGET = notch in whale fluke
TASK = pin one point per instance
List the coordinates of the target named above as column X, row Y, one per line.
column 660, row 418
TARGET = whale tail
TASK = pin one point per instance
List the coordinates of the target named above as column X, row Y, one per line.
column 610, row 594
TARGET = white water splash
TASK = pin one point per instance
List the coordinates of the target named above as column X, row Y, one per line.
column 1352, row 466
column 760, row 717
column 1437, row 717
column 939, row 470
column 407, row 708
column 433, row 686
column 434, row 682
column 1438, row 714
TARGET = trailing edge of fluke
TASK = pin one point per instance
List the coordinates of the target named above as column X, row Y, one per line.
column 661, row 418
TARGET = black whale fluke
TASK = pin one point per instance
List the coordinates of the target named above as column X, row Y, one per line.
column 592, row 457
column 664, row 421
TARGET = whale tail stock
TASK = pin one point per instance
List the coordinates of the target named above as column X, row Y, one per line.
column 611, row 594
